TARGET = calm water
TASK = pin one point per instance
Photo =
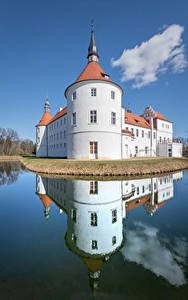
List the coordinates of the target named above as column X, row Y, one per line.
column 74, row 239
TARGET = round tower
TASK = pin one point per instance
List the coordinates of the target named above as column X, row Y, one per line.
column 41, row 132
column 94, row 112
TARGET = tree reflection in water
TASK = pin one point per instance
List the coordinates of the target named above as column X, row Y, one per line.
column 9, row 172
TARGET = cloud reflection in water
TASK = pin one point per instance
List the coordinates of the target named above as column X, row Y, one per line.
column 160, row 255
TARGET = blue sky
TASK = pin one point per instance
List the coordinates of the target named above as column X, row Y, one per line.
column 43, row 49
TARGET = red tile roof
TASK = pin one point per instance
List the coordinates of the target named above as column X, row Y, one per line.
column 93, row 71
column 59, row 114
column 46, row 200
column 162, row 203
column 127, row 131
column 45, row 119
column 160, row 116
column 135, row 203
column 136, row 120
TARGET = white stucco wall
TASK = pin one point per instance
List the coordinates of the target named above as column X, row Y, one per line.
column 177, row 149
column 41, row 141
column 57, row 140
column 106, row 134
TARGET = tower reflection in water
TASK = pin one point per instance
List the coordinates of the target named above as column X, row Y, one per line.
column 96, row 209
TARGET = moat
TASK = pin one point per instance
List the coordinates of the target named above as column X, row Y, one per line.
column 78, row 239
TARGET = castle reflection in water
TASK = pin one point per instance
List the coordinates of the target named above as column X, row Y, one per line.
column 95, row 211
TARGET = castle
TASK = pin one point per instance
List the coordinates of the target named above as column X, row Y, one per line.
column 95, row 125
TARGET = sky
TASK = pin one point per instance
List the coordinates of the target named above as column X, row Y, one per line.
column 143, row 45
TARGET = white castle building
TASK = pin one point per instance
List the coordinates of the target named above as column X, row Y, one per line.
column 95, row 125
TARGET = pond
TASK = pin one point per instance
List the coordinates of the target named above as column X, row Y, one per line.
column 78, row 239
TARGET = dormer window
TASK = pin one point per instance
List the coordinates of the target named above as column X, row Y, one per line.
column 93, row 92
column 74, row 96
column 137, row 121
column 105, row 75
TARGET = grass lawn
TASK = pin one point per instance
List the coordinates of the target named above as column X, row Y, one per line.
column 136, row 166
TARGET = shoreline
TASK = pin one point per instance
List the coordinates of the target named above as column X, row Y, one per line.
column 111, row 169
column 136, row 167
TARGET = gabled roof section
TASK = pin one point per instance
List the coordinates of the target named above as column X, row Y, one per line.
column 136, row 120
column 45, row 119
column 59, row 114
column 160, row 116
column 137, row 202
column 93, row 71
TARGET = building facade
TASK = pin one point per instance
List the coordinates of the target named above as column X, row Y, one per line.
column 95, row 125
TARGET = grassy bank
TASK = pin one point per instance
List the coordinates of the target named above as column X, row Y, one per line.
column 133, row 167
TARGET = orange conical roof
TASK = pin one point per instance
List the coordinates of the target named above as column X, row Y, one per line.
column 93, row 71
column 93, row 264
column 46, row 118
column 46, row 200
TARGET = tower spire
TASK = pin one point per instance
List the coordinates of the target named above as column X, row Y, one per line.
column 92, row 50
column 47, row 105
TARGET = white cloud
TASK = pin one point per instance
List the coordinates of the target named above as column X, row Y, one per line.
column 144, row 63
column 160, row 255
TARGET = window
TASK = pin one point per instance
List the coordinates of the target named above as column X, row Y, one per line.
column 64, row 120
column 94, row 244
column 136, row 149
column 74, row 118
column 93, row 187
column 142, row 133
column 113, row 240
column 114, row 216
column 154, row 135
column 146, row 150
column 65, row 145
column 137, row 190
column 74, row 238
column 137, row 132
column 132, row 130
column 143, row 189
column 93, row 116
column 112, row 95
column 57, row 136
column 57, row 124
column 93, row 219
column 160, row 139
column 93, row 92
column 74, row 96
column 113, row 118
column 64, row 133
column 93, row 147
column 61, row 122
column 73, row 214
column 149, row 134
